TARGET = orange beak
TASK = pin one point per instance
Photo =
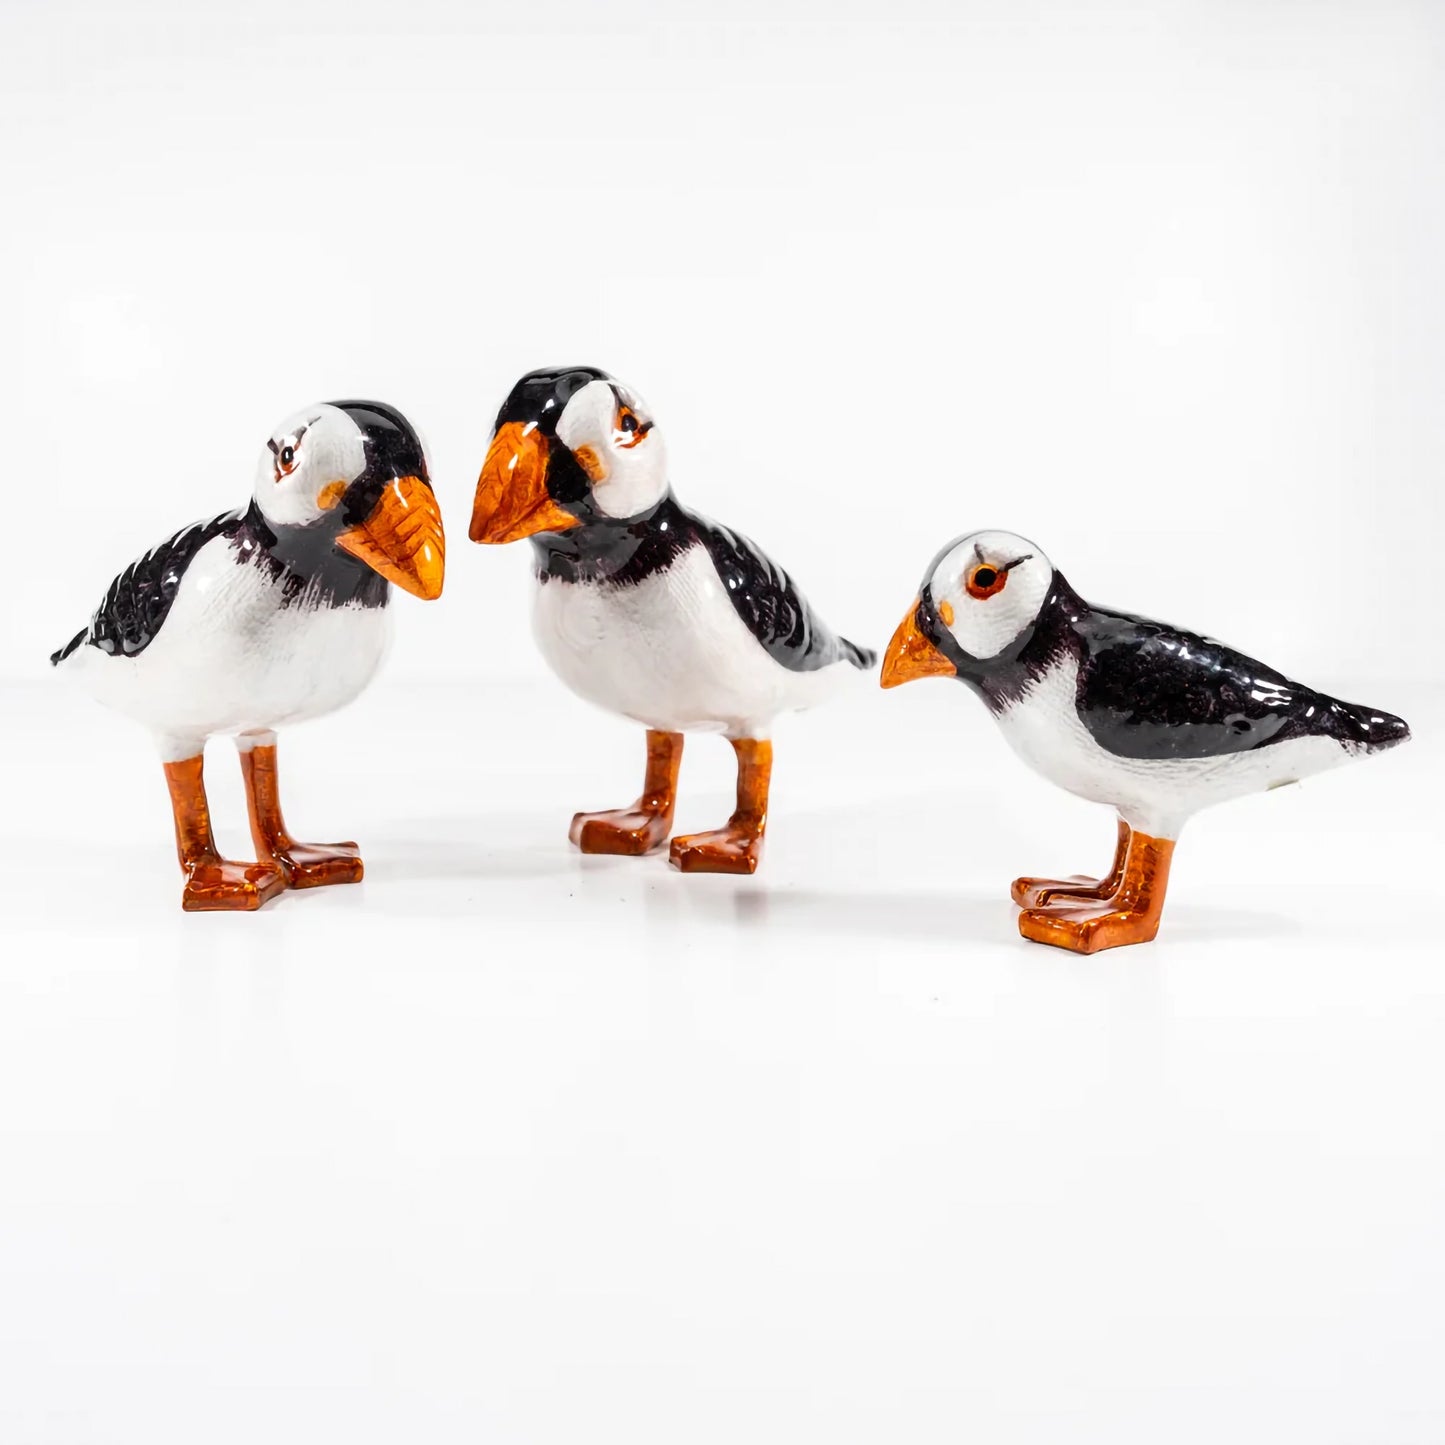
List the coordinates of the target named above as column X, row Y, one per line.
column 402, row 539
column 911, row 655
column 512, row 500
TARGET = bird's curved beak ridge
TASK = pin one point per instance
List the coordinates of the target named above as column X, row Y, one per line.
column 911, row 655
column 512, row 500
column 402, row 538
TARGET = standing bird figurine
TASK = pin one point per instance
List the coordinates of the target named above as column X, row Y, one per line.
column 267, row 615
column 1117, row 709
column 649, row 610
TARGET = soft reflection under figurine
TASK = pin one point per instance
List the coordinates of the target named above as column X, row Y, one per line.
column 263, row 616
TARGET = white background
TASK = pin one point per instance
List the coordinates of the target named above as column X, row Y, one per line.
column 509, row 1145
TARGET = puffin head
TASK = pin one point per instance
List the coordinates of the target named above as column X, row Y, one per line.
column 980, row 595
column 571, row 445
column 355, row 474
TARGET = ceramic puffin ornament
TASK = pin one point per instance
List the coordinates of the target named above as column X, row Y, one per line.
column 268, row 615
column 1153, row 720
column 648, row 609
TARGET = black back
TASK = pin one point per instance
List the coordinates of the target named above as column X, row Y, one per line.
column 1148, row 690
column 621, row 553
column 772, row 607
column 304, row 562
column 137, row 601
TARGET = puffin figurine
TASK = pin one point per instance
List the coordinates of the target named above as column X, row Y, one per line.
column 650, row 610
column 266, row 615
column 1156, row 721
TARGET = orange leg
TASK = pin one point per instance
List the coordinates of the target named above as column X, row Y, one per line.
column 212, row 882
column 304, row 865
column 736, row 847
column 1131, row 915
column 1039, row 892
column 645, row 825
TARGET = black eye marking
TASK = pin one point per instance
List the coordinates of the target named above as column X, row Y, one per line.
column 628, row 424
column 288, row 455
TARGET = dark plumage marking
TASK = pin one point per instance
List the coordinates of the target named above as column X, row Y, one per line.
column 771, row 606
column 56, row 658
column 393, row 449
column 137, row 601
column 623, row 553
column 303, row 562
column 306, row 564
column 540, row 397
column 1148, row 690
column 618, row 553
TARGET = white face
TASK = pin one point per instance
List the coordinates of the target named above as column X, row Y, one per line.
column 307, row 465
column 618, row 446
column 987, row 588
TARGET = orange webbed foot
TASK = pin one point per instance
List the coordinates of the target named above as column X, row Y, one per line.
column 318, row 865
column 213, row 884
column 642, row 828
column 303, row 865
column 1085, row 929
column 1088, row 922
column 738, row 845
column 1067, row 892
column 1041, row 892
column 216, row 885
column 724, row 850
column 629, row 832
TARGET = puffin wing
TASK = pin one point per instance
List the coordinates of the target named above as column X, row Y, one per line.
column 1147, row 690
column 136, row 603
column 771, row 606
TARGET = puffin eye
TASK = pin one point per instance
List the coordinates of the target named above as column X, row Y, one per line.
column 285, row 459
column 985, row 580
column 285, row 453
column 629, row 426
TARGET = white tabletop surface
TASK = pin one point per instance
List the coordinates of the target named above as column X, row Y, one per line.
column 509, row 1144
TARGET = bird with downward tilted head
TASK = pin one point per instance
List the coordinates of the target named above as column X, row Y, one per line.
column 1153, row 720
column 267, row 615
column 650, row 610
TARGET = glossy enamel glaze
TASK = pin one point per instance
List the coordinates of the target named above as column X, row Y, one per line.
column 270, row 614
column 644, row 607
column 1154, row 720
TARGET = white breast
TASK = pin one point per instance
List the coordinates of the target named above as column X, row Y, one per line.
column 229, row 658
column 671, row 652
column 1155, row 796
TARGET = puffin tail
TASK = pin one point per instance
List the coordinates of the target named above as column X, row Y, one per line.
column 1375, row 730
column 56, row 658
column 862, row 658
